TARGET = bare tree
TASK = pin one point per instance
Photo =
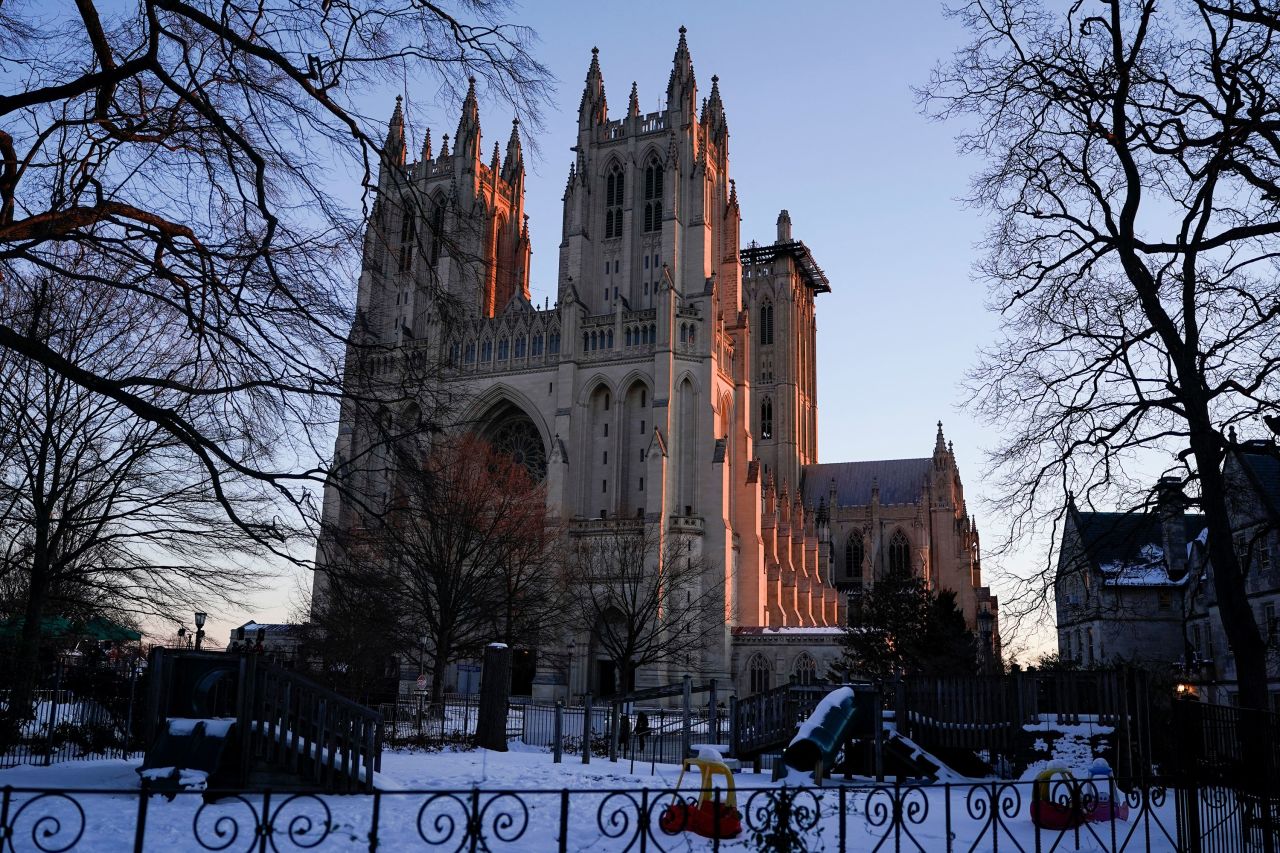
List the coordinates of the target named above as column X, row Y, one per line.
column 100, row 509
column 188, row 147
column 465, row 549
column 1133, row 178
column 644, row 599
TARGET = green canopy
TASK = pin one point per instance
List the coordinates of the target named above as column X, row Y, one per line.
column 54, row 627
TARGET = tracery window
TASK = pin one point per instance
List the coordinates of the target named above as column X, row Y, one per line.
column 613, row 194
column 899, row 553
column 853, row 555
column 653, row 196
column 760, row 673
column 805, row 672
column 766, row 418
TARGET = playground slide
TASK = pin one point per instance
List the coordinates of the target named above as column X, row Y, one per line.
column 191, row 755
column 820, row 737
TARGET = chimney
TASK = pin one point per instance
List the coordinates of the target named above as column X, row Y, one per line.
column 1171, row 503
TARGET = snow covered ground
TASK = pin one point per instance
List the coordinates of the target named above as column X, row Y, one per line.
column 519, row 796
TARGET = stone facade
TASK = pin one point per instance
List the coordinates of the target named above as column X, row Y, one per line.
column 1138, row 587
column 1252, row 471
column 673, row 382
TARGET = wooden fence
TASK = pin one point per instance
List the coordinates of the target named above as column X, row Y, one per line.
column 285, row 723
column 990, row 713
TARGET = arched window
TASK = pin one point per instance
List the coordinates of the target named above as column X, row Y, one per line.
column 805, row 671
column 627, row 335
column 766, row 418
column 899, row 553
column 760, row 674
column 613, row 193
column 437, row 228
column 653, row 196
column 766, row 322
column 853, row 556
column 684, row 333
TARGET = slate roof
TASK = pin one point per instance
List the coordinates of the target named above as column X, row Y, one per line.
column 1128, row 545
column 901, row 481
column 1262, row 466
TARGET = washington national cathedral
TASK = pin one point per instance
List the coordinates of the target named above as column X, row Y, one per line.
column 674, row 380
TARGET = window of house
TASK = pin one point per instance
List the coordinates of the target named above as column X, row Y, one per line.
column 613, row 195
column 899, row 553
column 653, row 196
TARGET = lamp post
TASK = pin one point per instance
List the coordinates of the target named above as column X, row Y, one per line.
column 986, row 639
column 200, row 617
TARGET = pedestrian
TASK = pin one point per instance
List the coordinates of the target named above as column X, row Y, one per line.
column 642, row 729
column 624, row 734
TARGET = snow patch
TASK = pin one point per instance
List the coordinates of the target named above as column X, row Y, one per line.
column 213, row 726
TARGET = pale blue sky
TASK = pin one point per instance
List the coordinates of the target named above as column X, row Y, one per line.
column 823, row 122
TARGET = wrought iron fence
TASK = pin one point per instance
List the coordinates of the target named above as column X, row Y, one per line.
column 85, row 713
column 1105, row 816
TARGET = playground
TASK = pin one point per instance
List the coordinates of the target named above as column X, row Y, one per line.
column 242, row 755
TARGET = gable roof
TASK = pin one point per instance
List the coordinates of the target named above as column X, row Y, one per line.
column 901, row 481
column 1127, row 548
column 1261, row 464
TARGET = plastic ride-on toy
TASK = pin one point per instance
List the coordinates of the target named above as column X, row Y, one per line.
column 702, row 818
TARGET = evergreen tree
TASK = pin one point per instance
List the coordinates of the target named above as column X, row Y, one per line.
column 908, row 630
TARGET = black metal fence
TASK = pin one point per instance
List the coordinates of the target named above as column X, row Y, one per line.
column 1106, row 816
column 83, row 713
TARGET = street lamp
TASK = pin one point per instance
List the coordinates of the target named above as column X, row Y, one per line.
column 200, row 617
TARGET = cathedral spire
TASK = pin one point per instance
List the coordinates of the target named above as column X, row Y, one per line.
column 682, row 89
column 444, row 147
column 594, row 107
column 713, row 112
column 393, row 150
column 515, row 157
column 940, row 444
column 467, row 140
column 633, row 105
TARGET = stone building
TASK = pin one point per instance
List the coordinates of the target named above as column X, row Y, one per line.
column 673, row 383
column 1121, row 583
column 1138, row 587
column 1252, row 470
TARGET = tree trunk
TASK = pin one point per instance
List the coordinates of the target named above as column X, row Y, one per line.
column 1247, row 646
column 439, row 660
column 26, row 662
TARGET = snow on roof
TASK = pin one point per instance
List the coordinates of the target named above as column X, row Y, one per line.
column 1147, row 569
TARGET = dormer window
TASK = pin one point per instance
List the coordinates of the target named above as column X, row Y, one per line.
column 613, row 194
